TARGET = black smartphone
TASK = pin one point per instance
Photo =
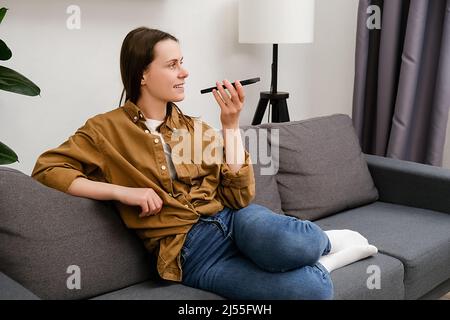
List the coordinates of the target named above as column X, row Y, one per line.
column 243, row 82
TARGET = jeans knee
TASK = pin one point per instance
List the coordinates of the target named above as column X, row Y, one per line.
column 314, row 248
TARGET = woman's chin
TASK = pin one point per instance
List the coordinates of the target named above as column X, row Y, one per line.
column 178, row 98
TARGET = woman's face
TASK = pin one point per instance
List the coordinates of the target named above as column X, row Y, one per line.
column 164, row 78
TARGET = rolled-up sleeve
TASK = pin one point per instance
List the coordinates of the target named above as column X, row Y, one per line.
column 79, row 156
column 237, row 189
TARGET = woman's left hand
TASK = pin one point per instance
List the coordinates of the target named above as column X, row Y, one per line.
column 230, row 106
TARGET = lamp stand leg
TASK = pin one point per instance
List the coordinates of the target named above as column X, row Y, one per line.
column 283, row 111
column 260, row 110
column 275, row 110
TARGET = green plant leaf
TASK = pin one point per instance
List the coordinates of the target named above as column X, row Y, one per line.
column 2, row 13
column 5, row 53
column 7, row 156
column 13, row 81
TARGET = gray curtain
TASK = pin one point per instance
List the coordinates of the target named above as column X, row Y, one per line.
column 402, row 81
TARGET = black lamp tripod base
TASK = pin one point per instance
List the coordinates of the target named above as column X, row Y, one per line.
column 279, row 107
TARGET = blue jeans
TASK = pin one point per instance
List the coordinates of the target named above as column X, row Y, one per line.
column 254, row 253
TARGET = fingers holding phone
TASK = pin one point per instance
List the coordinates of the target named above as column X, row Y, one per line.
column 230, row 103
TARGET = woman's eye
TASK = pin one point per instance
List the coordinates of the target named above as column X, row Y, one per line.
column 174, row 64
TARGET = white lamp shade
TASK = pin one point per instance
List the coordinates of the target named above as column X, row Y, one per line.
column 276, row 21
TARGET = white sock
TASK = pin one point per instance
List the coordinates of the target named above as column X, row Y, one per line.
column 347, row 256
column 341, row 239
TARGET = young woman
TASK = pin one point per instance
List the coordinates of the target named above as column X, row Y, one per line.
column 196, row 217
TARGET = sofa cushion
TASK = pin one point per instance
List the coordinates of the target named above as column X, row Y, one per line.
column 256, row 142
column 419, row 238
column 321, row 167
column 45, row 231
column 159, row 290
column 11, row 290
column 379, row 277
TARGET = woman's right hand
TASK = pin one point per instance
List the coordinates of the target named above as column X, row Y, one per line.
column 150, row 203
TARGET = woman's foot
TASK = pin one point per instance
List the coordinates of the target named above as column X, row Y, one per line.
column 342, row 239
column 347, row 256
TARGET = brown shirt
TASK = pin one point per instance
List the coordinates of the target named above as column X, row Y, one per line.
column 117, row 147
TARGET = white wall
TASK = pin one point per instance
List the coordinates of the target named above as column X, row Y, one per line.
column 78, row 70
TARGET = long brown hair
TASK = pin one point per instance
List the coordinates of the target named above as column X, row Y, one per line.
column 136, row 54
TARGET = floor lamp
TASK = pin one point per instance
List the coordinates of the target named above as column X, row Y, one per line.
column 275, row 22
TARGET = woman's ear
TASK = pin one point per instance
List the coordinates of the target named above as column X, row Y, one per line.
column 145, row 76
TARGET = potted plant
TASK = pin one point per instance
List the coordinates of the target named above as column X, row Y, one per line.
column 12, row 81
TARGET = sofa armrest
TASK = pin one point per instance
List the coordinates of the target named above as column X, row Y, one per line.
column 12, row 290
column 410, row 183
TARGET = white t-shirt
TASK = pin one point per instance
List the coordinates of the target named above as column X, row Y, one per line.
column 152, row 125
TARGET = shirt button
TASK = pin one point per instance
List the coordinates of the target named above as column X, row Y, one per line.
column 146, row 131
column 156, row 140
column 163, row 167
column 135, row 118
column 186, row 206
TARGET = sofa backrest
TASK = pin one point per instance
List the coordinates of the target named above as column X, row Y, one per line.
column 49, row 238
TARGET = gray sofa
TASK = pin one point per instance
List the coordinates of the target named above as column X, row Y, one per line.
column 57, row 246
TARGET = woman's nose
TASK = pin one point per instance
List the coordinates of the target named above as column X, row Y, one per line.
column 184, row 73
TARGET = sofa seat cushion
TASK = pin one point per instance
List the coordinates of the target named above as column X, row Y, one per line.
column 379, row 277
column 322, row 169
column 349, row 282
column 11, row 290
column 419, row 238
column 49, row 240
column 159, row 290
